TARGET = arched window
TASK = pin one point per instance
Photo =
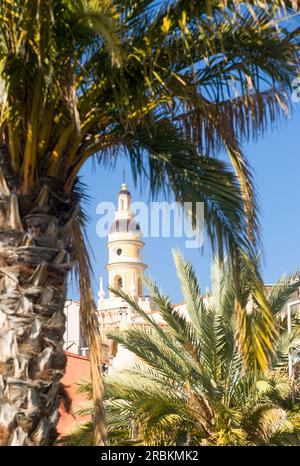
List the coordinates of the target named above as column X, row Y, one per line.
column 118, row 282
column 140, row 287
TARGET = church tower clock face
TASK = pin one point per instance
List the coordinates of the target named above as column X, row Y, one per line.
column 125, row 265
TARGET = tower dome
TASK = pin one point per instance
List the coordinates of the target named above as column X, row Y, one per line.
column 125, row 226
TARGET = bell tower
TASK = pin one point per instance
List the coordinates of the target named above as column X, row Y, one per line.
column 125, row 264
column 125, row 268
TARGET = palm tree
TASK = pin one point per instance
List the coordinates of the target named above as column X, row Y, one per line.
column 189, row 384
column 84, row 78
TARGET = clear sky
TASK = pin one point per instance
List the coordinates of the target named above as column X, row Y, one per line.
column 276, row 163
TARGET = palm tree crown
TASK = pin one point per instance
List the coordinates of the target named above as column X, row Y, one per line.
column 167, row 84
column 190, row 385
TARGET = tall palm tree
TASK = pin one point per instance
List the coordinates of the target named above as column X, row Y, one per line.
column 189, row 384
column 83, row 78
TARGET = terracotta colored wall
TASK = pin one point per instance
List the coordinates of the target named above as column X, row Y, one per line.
column 78, row 367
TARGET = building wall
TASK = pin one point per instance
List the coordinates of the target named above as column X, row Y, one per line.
column 72, row 336
column 78, row 368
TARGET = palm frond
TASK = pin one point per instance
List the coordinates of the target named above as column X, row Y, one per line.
column 83, row 435
column 190, row 384
column 282, row 291
column 89, row 319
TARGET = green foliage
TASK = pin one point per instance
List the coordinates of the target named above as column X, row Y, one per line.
column 190, row 384
column 169, row 83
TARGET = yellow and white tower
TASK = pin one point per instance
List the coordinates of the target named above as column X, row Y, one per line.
column 125, row 264
column 125, row 268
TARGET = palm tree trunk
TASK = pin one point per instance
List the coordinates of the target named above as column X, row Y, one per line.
column 34, row 260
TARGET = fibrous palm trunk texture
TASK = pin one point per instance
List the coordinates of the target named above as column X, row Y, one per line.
column 34, row 260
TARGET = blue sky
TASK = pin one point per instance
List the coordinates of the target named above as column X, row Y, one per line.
column 275, row 160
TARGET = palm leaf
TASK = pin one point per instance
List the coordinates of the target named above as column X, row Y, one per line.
column 89, row 318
